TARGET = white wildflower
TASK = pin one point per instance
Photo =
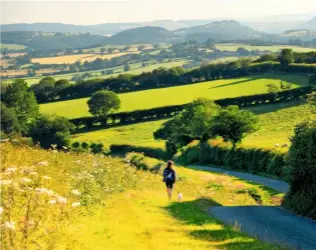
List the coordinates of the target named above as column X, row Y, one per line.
column 95, row 164
column 52, row 202
column 33, row 173
column 25, row 180
column 44, row 191
column 45, row 177
column 10, row 170
column 76, row 192
column 5, row 182
column 76, row 204
column 78, row 161
column 62, row 200
column 1, row 210
column 43, row 163
column 9, row 225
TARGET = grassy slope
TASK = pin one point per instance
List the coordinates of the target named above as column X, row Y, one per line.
column 135, row 69
column 275, row 48
column 12, row 46
column 277, row 124
column 178, row 95
column 136, row 216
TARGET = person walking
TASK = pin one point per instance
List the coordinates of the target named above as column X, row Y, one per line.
column 169, row 178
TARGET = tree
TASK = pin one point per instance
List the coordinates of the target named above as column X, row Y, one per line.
column 272, row 88
column 45, row 88
column 61, row 84
column 22, row 101
column 193, row 123
column 233, row 124
column 312, row 101
column 9, row 121
column 103, row 102
column 51, row 130
column 312, row 80
column 286, row 58
column 102, row 50
column 302, row 174
column 127, row 67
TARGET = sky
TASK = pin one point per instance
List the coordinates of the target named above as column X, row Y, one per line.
column 107, row 11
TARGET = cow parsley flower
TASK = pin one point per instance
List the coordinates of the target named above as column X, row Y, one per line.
column 5, row 182
column 45, row 177
column 1, row 210
column 62, row 200
column 52, row 202
column 9, row 225
column 76, row 192
column 76, row 204
column 43, row 163
column 10, row 170
column 25, row 180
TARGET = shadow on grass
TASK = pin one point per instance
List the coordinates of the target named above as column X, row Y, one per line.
column 196, row 213
column 234, row 83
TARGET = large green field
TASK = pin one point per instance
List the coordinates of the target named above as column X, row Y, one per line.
column 136, row 69
column 276, row 125
column 12, row 46
column 275, row 48
column 179, row 95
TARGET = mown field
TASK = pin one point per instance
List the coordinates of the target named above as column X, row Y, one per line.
column 135, row 69
column 69, row 59
column 276, row 125
column 12, row 46
column 179, row 95
column 81, row 201
column 275, row 48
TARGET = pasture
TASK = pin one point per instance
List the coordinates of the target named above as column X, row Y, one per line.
column 276, row 125
column 135, row 70
column 218, row 89
column 90, row 202
column 12, row 46
column 232, row 47
column 69, row 59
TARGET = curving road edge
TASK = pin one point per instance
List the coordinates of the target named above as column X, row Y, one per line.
column 268, row 223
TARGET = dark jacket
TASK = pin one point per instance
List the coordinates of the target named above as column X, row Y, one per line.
column 169, row 175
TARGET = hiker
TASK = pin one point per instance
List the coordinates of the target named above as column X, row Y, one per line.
column 169, row 177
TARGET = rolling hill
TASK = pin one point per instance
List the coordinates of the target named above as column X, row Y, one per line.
column 309, row 25
column 221, row 30
column 147, row 34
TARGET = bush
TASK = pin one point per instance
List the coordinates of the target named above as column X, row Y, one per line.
column 142, row 162
column 302, row 163
column 122, row 149
column 75, row 145
column 97, row 148
column 51, row 130
column 85, row 145
column 251, row 160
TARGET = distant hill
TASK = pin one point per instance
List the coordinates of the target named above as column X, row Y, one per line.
column 309, row 25
column 41, row 41
column 49, row 27
column 304, row 35
column 220, row 30
column 143, row 35
column 273, row 27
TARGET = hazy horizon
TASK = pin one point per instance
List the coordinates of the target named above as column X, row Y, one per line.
column 118, row 11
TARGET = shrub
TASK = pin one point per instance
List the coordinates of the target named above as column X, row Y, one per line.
column 85, row 145
column 75, row 145
column 51, row 130
column 142, row 162
column 302, row 164
column 97, row 148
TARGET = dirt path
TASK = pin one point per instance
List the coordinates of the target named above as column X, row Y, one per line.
column 269, row 223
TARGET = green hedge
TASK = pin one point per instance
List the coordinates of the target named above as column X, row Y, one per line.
column 253, row 160
column 123, row 149
column 144, row 163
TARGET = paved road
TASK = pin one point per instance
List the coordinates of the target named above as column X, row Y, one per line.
column 280, row 186
column 268, row 223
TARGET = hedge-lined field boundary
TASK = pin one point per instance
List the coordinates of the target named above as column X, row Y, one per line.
column 137, row 116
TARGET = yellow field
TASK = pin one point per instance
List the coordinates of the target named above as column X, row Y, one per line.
column 69, row 59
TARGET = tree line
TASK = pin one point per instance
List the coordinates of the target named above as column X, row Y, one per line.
column 162, row 77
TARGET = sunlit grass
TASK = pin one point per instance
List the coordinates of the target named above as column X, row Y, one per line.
column 179, row 95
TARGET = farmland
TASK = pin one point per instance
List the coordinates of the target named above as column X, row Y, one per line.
column 179, row 95
column 276, row 125
column 12, row 46
column 135, row 69
column 69, row 59
column 232, row 47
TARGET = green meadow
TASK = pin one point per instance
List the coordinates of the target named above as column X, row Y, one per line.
column 179, row 95
column 12, row 46
column 136, row 69
column 273, row 48
column 276, row 125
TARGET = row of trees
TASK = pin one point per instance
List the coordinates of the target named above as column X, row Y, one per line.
column 287, row 56
column 162, row 77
